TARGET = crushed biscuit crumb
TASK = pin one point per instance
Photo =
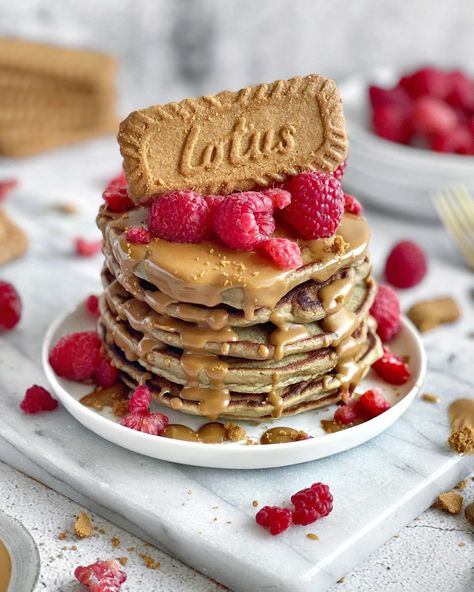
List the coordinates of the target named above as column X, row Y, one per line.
column 65, row 208
column 312, row 536
column 123, row 561
column 233, row 432
column 462, row 441
column 83, row 526
column 469, row 513
column 338, row 245
column 150, row 562
column 255, row 503
column 461, row 485
column 430, row 398
column 115, row 542
column 62, row 536
column 450, row 502
column 428, row 314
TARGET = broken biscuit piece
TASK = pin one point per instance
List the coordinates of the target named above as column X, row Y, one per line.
column 428, row 314
column 450, row 502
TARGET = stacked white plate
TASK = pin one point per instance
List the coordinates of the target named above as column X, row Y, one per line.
column 393, row 176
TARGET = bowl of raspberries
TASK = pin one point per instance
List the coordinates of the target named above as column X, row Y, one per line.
column 411, row 132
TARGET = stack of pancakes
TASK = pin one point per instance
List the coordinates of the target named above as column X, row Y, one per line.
column 223, row 333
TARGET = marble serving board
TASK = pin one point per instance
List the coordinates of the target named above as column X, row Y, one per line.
column 202, row 516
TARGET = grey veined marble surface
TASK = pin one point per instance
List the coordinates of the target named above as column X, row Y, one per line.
column 379, row 487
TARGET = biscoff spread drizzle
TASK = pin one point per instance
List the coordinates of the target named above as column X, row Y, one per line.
column 5, row 568
column 205, row 273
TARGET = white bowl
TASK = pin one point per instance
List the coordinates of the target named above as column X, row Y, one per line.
column 237, row 455
column 390, row 175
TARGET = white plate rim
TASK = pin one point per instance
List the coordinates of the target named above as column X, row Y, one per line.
column 246, row 457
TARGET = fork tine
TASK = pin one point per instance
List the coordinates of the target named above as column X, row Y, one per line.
column 444, row 208
column 467, row 204
column 453, row 200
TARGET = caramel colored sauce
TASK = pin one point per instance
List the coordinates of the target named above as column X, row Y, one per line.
column 5, row 568
column 334, row 295
column 461, row 414
column 282, row 435
column 106, row 397
column 285, row 334
column 274, row 397
column 209, row 433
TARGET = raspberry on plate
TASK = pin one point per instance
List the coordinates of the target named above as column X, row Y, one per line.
column 92, row 305
column 426, row 81
column 87, row 248
column 374, row 402
column 349, row 412
column 393, row 123
column 243, row 220
column 10, row 306
column 6, row 187
column 105, row 375
column 180, row 216
column 352, row 205
column 406, row 265
column 317, row 204
column 101, row 576
column 456, row 141
column 386, row 311
column 432, row 116
column 391, row 368
column 76, row 356
column 116, row 195
column 284, row 252
column 37, row 399
column 138, row 235
column 274, row 518
column 140, row 400
column 148, row 423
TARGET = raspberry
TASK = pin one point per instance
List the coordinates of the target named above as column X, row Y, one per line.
column 243, row 220
column 374, row 402
column 393, row 123
column 283, row 252
column 396, row 96
column 386, row 311
column 426, row 81
column 311, row 503
column 275, row 519
column 102, row 576
column 140, row 400
column 317, row 204
column 280, row 198
column 213, row 202
column 76, row 356
column 352, row 205
column 87, row 248
column 149, row 423
column 432, row 116
column 138, row 235
column 10, row 306
column 92, row 305
column 116, row 195
column 339, row 172
column 6, row 187
column 105, row 375
column 461, row 91
column 406, row 265
column 391, row 368
column 37, row 399
column 349, row 412
column 457, row 141
column 180, row 216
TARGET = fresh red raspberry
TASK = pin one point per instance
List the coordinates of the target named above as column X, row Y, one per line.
column 352, row 205
column 148, row 423
column 87, row 248
column 432, row 116
column 317, row 204
column 426, row 81
column 213, row 202
column 392, row 122
column 284, row 252
column 105, row 375
column 396, row 96
column 374, row 402
column 244, row 220
column 406, row 265
column 180, row 216
column 391, row 368
column 339, row 172
column 10, row 306
column 311, row 503
column 140, row 400
column 275, row 519
column 116, row 195
column 138, row 235
column 461, row 91
column 37, row 399
column 92, row 305
column 101, row 576
column 6, row 187
column 386, row 311
column 76, row 356
column 349, row 412
column 457, row 141
column 280, row 198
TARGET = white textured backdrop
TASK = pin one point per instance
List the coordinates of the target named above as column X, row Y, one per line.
column 170, row 49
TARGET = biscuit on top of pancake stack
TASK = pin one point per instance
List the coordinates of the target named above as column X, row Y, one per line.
column 237, row 281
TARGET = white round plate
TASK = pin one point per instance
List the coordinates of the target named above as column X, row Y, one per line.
column 23, row 553
column 390, row 175
column 238, row 455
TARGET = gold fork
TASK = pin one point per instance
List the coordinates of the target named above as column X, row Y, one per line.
column 455, row 207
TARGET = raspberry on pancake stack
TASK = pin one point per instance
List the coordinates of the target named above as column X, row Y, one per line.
column 237, row 281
